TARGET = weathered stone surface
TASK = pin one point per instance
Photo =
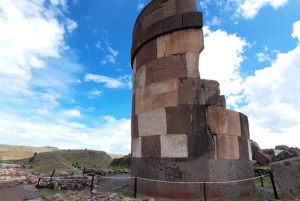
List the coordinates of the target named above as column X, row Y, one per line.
column 151, row 146
column 192, row 19
column 189, row 40
column 282, row 147
column 172, row 23
column 228, row 147
column 161, row 47
column 180, row 119
column 139, row 81
column 192, row 63
column 294, row 152
column 135, row 127
column 244, row 149
column 165, row 86
column 164, row 68
column 188, row 89
column 153, row 122
column 156, row 102
column 174, row 7
column 255, row 147
column 146, row 54
column 284, row 155
column 222, row 121
column 136, row 147
column 244, row 126
column 174, row 146
column 153, row 17
column 287, row 176
column 261, row 158
column 201, row 145
column 210, row 90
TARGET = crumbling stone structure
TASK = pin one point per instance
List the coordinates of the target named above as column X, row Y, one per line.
column 181, row 129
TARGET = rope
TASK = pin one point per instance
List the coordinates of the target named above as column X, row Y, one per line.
column 189, row 182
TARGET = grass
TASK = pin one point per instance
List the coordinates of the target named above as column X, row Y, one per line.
column 121, row 167
column 51, row 193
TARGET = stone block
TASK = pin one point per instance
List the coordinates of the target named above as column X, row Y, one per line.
column 282, row 147
column 140, row 79
column 134, row 127
column 244, row 170
column 174, row 146
column 192, row 19
column 244, row 126
column 221, row 170
column 255, row 147
column 161, row 47
column 188, row 89
column 244, row 149
column 172, row 23
column 151, row 146
column 210, row 90
column 145, row 167
column 261, row 158
column 153, row 17
column 228, row 147
column 136, row 147
column 151, row 7
column 156, row 88
column 201, row 145
column 155, row 102
column 174, row 7
column 222, row 121
column 182, row 41
column 287, row 176
column 284, row 155
column 146, row 54
column 134, row 66
column 166, row 68
column 192, row 64
column 186, row 119
column 152, row 122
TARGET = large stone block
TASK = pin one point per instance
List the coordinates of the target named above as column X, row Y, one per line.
column 261, row 158
column 145, row 167
column 222, row 121
column 182, row 41
column 161, row 46
column 166, row 68
column 156, row 88
column 188, row 89
column 287, row 176
column 136, row 147
column 244, row 126
column 244, row 149
column 201, row 145
column 192, row 19
column 146, row 54
column 155, row 16
column 134, row 126
column 151, row 146
column 186, row 119
column 192, row 64
column 228, row 147
column 172, row 23
column 174, row 7
column 210, row 92
column 174, row 146
column 155, row 102
column 140, row 79
column 153, row 122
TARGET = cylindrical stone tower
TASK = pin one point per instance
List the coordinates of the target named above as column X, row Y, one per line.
column 181, row 129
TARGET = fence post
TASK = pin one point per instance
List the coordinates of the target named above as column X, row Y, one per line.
column 52, row 175
column 273, row 184
column 37, row 184
column 135, row 187
column 83, row 171
column 261, row 179
column 93, row 175
column 204, row 191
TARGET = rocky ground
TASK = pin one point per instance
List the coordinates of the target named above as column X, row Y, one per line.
column 114, row 189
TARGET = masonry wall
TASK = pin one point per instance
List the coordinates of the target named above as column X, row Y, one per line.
column 181, row 129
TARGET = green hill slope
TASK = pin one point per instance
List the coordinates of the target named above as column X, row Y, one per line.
column 13, row 152
column 63, row 159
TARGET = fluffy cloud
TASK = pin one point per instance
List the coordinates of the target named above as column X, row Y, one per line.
column 71, row 113
column 121, row 82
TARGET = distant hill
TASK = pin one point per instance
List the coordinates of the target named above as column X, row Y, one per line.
column 13, row 152
column 66, row 159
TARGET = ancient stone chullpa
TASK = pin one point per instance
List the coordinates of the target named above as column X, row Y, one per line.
column 181, row 129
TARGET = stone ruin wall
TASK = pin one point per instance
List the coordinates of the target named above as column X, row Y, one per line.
column 181, row 129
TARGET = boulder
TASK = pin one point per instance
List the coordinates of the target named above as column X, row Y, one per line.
column 287, row 176
column 282, row 147
column 255, row 147
column 284, row 155
column 261, row 158
column 293, row 152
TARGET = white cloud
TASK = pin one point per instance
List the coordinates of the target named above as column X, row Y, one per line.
column 140, row 5
column 94, row 93
column 222, row 54
column 71, row 25
column 98, row 45
column 261, row 57
column 214, row 21
column 249, row 8
column 109, row 82
column 71, row 113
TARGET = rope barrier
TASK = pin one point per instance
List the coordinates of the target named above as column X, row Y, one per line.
column 189, row 182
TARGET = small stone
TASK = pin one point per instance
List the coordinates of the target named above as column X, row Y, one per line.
column 113, row 195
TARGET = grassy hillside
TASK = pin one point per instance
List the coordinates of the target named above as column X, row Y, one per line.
column 63, row 159
column 14, row 152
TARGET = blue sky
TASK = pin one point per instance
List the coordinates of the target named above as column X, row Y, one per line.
column 65, row 75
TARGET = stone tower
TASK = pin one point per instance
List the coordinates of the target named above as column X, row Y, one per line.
column 181, row 129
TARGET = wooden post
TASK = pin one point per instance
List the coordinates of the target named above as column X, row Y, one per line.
column 273, row 184
column 135, row 187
